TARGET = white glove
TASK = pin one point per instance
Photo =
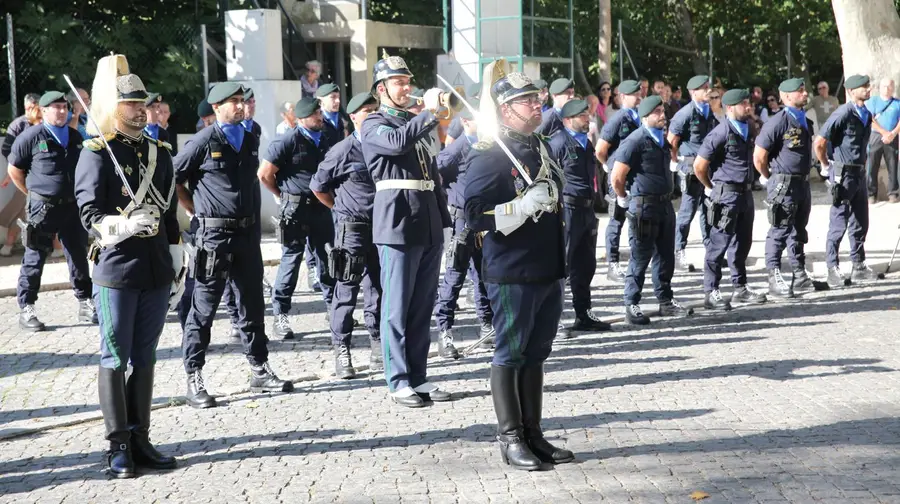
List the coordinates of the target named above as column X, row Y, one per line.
column 177, row 289
column 448, row 233
column 117, row 228
column 605, row 167
column 432, row 99
column 537, row 198
column 673, row 166
column 707, row 191
column 763, row 180
column 622, row 201
column 826, row 169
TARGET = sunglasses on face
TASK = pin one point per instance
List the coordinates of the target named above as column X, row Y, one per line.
column 771, row 100
column 713, row 97
column 604, row 89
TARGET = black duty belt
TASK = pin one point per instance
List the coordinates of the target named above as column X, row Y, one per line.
column 653, row 198
column 849, row 166
column 578, row 202
column 299, row 198
column 736, row 188
column 223, row 223
column 793, row 177
column 53, row 200
column 359, row 227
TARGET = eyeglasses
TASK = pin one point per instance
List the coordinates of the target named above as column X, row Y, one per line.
column 530, row 100
column 604, row 89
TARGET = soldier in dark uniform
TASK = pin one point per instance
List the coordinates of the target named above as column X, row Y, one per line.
column 524, row 259
column 723, row 166
column 330, row 102
column 42, row 165
column 127, row 203
column 218, row 165
column 782, row 158
column 343, row 184
column 206, row 114
column 689, row 127
column 409, row 216
column 464, row 250
column 574, row 152
column 641, row 167
column 286, row 170
column 617, row 129
column 152, row 129
column 848, row 129
column 562, row 90
column 249, row 111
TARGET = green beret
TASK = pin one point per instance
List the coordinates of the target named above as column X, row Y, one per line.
column 735, row 96
column 474, row 90
column 223, row 91
column 358, row 101
column 306, row 107
column 573, row 107
column 204, row 109
column 326, row 89
column 539, row 83
column 856, row 81
column 248, row 93
column 417, row 93
column 629, row 87
column 697, row 82
column 649, row 104
column 51, row 97
column 791, row 85
column 560, row 86
column 153, row 98
column 465, row 113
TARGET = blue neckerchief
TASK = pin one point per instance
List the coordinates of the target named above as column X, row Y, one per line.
column 60, row 134
column 234, row 133
column 315, row 136
column 656, row 133
column 473, row 139
column 799, row 115
column 581, row 138
column 742, row 127
column 248, row 124
column 331, row 117
column 863, row 114
column 152, row 130
column 633, row 114
column 703, row 108
column 545, row 108
column 356, row 134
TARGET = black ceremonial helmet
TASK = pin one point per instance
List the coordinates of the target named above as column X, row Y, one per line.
column 386, row 67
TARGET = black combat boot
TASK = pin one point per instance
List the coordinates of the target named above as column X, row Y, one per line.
column 672, row 308
column 376, row 357
column 615, row 273
column 744, row 295
column 28, row 319
column 343, row 366
column 778, row 288
column 445, row 345
column 282, row 327
column 836, row 279
column 111, row 384
column 715, row 301
column 197, row 396
column 531, row 390
column 139, row 393
column 802, row 282
column 488, row 332
column 510, row 432
column 635, row 316
column 862, row 273
column 86, row 311
column 263, row 379
column 587, row 321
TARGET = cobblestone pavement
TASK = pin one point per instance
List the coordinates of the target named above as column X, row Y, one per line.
column 785, row 402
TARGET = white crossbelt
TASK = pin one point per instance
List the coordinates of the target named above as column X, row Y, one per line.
column 411, row 185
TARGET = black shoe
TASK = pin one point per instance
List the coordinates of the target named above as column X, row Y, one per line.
column 434, row 393
column 514, row 450
column 615, row 273
column 235, row 333
column 587, row 321
column 343, row 366
column 413, row 401
column 488, row 333
column 778, row 288
column 862, row 273
column 263, row 379
column 682, row 264
column 836, row 279
column 445, row 345
column 802, row 282
column 282, row 328
column 744, row 295
column 114, row 406
column 28, row 319
column 672, row 308
column 634, row 315
column 197, row 396
column 531, row 390
column 376, row 359
column 715, row 301
column 86, row 311
column 139, row 392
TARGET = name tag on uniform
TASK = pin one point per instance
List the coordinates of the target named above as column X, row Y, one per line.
column 215, row 155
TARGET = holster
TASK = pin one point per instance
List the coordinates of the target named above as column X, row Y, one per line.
column 619, row 213
column 288, row 228
column 458, row 253
column 206, row 264
column 725, row 218
column 34, row 238
column 644, row 228
column 781, row 214
column 93, row 253
column 838, row 194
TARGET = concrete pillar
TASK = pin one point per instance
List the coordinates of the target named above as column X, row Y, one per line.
column 363, row 56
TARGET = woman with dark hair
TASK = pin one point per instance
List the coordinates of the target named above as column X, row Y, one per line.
column 604, row 92
column 772, row 106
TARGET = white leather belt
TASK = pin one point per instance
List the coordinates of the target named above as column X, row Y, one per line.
column 412, row 185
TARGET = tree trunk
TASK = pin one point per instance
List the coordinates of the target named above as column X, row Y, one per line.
column 604, row 47
column 580, row 77
column 684, row 17
column 870, row 37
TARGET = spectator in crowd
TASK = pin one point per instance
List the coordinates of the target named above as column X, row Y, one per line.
column 773, row 106
column 715, row 103
column 675, row 99
column 288, row 119
column 885, row 110
column 13, row 201
column 823, row 104
column 604, row 92
column 756, row 99
column 645, row 86
column 77, row 117
column 666, row 95
column 658, row 86
column 310, row 80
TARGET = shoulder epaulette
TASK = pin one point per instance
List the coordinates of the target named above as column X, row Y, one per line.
column 482, row 145
column 95, row 144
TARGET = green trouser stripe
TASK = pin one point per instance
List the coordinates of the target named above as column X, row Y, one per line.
column 515, row 348
column 108, row 330
column 385, row 310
